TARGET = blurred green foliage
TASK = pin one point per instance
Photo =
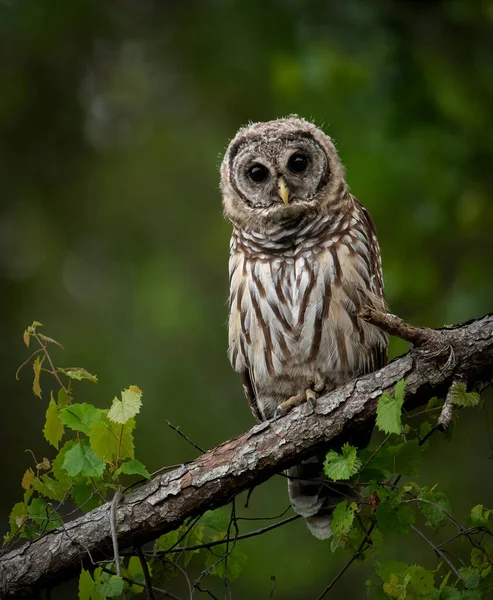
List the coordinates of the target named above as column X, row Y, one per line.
column 113, row 119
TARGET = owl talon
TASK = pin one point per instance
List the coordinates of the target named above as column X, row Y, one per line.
column 289, row 404
column 311, row 397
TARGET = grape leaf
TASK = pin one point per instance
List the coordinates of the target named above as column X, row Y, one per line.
column 434, row 513
column 112, row 588
column 58, row 469
column 78, row 373
column 53, row 429
column 479, row 516
column 227, row 569
column 49, row 487
column 133, row 467
column 80, row 417
column 126, row 408
column 86, row 585
column 37, row 364
column 342, row 466
column 27, row 479
column 81, row 460
column 215, row 520
column 459, row 395
column 471, row 577
column 136, row 573
column 17, row 518
column 112, row 441
column 389, row 410
column 63, row 398
column 84, row 496
column 394, row 519
column 342, row 521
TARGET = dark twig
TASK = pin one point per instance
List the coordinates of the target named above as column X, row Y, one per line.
column 147, row 575
column 135, row 582
column 438, row 552
column 184, row 436
column 362, row 547
column 243, row 536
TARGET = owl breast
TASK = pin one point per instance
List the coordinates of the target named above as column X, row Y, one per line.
column 293, row 319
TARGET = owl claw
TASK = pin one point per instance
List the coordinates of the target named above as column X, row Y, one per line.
column 308, row 396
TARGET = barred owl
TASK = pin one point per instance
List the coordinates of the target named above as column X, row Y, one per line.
column 304, row 261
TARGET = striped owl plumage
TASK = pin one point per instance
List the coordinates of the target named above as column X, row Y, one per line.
column 304, row 261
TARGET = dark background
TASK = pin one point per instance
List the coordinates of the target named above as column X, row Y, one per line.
column 113, row 119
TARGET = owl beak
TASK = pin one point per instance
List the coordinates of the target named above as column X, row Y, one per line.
column 283, row 190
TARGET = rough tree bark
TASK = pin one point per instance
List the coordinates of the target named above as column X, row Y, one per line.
column 464, row 352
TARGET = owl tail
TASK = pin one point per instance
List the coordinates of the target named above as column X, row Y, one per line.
column 314, row 497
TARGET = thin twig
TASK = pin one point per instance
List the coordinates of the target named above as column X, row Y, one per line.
column 47, row 354
column 185, row 575
column 438, row 552
column 114, row 505
column 362, row 547
column 147, row 575
column 243, row 536
column 185, row 437
column 166, row 593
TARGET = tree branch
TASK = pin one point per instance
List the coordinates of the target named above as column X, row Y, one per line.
column 463, row 352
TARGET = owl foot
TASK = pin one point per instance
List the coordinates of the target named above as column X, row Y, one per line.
column 309, row 396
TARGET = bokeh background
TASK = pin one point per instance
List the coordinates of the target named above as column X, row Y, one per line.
column 113, row 119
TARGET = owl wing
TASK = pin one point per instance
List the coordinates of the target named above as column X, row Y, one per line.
column 251, row 396
column 378, row 354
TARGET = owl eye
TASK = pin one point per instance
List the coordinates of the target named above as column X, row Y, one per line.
column 298, row 163
column 258, row 173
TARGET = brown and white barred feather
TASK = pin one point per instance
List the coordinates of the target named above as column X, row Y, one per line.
column 294, row 300
column 304, row 261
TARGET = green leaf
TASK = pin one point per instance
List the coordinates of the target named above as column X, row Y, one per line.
column 63, row 398
column 80, row 417
column 394, row 519
column 404, row 458
column 337, row 466
column 17, row 518
column 112, row 441
column 229, row 568
column 81, row 460
column 43, row 515
column 84, row 496
column 78, row 374
column 479, row 516
column 167, row 540
column 421, row 581
column 459, row 395
column 37, row 364
column 450, row 593
column 435, row 514
column 113, row 587
column 134, row 467
column 471, row 577
column 136, row 573
column 51, row 488
column 126, row 408
column 342, row 521
column 57, row 465
column 86, row 585
column 215, row 520
column 53, row 429
column 389, row 410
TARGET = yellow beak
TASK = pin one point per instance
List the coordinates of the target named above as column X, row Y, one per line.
column 283, row 190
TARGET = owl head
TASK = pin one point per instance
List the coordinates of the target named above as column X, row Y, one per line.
column 278, row 173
